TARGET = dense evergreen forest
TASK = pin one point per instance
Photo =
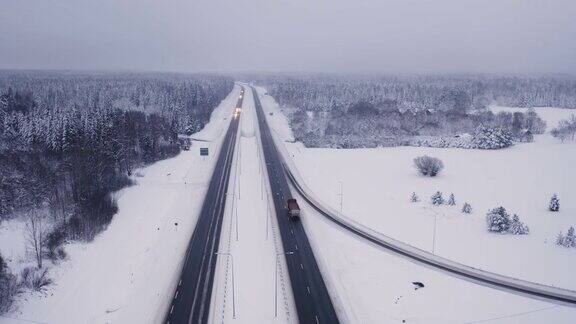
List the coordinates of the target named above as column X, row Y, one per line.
column 67, row 140
column 430, row 110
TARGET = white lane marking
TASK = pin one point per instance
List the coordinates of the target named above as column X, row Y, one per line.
column 296, row 246
column 317, row 321
column 171, row 309
column 176, row 296
column 179, row 282
column 308, row 288
column 212, row 225
column 301, row 266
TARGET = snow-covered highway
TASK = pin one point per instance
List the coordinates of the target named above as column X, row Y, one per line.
column 311, row 296
column 193, row 294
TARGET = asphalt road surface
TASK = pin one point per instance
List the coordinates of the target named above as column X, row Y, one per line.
column 311, row 297
column 191, row 301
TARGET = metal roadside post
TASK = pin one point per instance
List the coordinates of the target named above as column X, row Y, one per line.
column 233, row 284
column 276, row 282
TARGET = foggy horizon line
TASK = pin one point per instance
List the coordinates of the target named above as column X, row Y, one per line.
column 289, row 72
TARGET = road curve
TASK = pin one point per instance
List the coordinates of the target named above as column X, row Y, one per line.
column 494, row 280
column 191, row 301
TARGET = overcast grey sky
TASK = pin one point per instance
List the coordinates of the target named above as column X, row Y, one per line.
column 523, row 36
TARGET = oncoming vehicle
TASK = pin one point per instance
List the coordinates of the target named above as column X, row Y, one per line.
column 293, row 209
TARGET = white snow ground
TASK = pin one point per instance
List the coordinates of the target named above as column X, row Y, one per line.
column 250, row 236
column 127, row 274
column 377, row 185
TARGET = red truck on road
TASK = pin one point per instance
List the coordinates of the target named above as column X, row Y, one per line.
column 293, row 209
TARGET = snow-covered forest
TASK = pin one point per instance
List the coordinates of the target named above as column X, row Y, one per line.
column 419, row 110
column 67, row 140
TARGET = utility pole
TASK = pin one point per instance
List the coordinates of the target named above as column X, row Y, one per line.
column 233, row 284
column 341, row 194
column 240, row 145
column 234, row 211
column 267, row 215
column 239, row 162
column 276, row 282
column 259, row 157
column 434, row 235
column 240, row 154
column 261, row 187
column 236, row 221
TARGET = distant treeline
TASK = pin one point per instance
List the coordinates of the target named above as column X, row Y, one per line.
column 368, row 111
column 68, row 140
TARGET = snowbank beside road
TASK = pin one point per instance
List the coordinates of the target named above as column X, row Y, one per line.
column 127, row 274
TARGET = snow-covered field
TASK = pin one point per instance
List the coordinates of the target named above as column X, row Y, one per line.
column 127, row 274
column 377, row 184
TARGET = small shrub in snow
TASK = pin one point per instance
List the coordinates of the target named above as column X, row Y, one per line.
column 54, row 241
column 428, row 166
column 569, row 240
column 451, row 200
column 3, row 265
column 34, row 278
column 499, row 221
column 566, row 129
column 8, row 287
column 437, row 198
column 554, row 204
column 466, row 208
column 61, row 254
column 517, row 227
column 414, row 197
column 492, row 138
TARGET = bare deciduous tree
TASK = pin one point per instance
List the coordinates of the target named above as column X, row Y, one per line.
column 36, row 231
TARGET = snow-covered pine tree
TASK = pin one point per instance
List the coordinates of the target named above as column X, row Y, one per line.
column 492, row 138
column 570, row 239
column 414, row 197
column 452, row 200
column 517, row 227
column 498, row 220
column 466, row 208
column 437, row 198
column 554, row 204
column 560, row 239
